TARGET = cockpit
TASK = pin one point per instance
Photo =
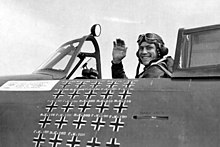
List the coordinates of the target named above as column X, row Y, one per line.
column 197, row 56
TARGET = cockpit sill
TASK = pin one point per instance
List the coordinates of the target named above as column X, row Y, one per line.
column 198, row 72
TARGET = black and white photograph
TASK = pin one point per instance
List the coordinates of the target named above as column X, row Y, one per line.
column 107, row 73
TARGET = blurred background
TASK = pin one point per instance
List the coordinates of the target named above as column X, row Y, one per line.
column 30, row 30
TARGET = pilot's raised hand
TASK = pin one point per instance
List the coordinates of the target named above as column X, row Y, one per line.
column 119, row 51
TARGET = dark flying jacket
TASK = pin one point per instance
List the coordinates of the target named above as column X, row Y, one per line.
column 159, row 69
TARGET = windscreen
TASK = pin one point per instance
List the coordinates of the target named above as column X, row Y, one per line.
column 59, row 60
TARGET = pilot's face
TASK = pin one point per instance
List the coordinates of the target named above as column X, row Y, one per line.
column 147, row 52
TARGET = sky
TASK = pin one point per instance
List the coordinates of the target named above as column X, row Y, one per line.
column 31, row 30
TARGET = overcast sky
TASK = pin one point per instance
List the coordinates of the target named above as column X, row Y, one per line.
column 30, row 30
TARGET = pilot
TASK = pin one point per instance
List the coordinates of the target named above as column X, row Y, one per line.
column 151, row 53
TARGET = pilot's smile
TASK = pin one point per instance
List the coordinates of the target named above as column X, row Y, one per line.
column 147, row 52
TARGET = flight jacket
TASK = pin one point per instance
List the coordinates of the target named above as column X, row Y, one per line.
column 160, row 69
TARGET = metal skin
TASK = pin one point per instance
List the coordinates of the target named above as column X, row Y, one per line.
column 150, row 112
column 181, row 111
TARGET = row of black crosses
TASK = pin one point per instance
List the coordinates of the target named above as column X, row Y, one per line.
column 73, row 142
column 89, row 94
column 102, row 107
column 79, row 122
column 96, row 84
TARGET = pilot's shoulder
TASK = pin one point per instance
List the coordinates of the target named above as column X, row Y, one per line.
column 165, row 64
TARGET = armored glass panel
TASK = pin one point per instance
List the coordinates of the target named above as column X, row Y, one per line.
column 205, row 48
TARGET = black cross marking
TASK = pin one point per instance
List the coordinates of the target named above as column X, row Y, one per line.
column 74, row 94
column 102, row 107
column 79, row 122
column 107, row 94
column 113, row 143
column 120, row 107
column 55, row 140
column 44, row 122
column 124, row 94
column 112, row 84
column 90, row 94
column 65, row 84
column 67, row 107
column 98, row 123
column 62, row 121
column 39, row 139
column 93, row 142
column 73, row 142
column 117, row 124
column 80, row 84
column 51, row 106
column 58, row 94
column 129, row 84
column 84, row 107
column 96, row 84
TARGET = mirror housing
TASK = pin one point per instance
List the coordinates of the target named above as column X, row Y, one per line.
column 96, row 30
